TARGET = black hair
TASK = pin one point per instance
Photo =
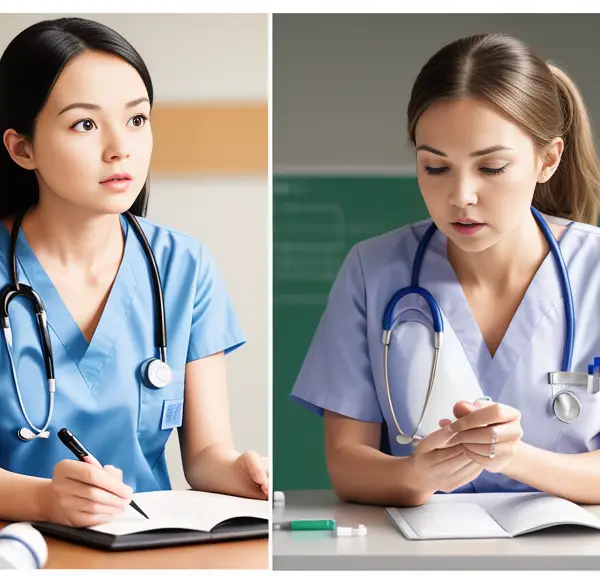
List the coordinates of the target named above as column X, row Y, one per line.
column 29, row 68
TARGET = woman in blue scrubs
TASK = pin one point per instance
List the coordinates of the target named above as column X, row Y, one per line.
column 75, row 102
column 496, row 130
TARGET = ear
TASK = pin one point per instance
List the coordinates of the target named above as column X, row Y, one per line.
column 20, row 149
column 551, row 159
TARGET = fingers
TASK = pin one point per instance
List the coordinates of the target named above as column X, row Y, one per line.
column 257, row 469
column 114, row 472
column 437, row 439
column 87, row 506
column 462, row 408
column 452, row 465
column 504, row 433
column 463, row 476
column 489, row 414
column 93, row 476
column 69, row 487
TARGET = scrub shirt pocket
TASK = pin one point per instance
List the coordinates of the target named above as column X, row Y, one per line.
column 161, row 411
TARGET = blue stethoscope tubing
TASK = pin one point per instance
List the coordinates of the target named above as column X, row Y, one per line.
column 155, row 372
column 389, row 322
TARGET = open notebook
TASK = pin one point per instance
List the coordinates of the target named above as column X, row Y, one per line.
column 449, row 516
column 175, row 517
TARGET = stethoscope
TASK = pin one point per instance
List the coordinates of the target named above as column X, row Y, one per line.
column 155, row 372
column 565, row 404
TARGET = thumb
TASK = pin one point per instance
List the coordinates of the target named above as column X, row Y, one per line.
column 437, row 439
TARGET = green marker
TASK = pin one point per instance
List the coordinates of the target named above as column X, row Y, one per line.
column 306, row 525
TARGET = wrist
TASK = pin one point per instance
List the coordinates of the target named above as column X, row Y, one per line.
column 513, row 466
column 418, row 488
column 42, row 500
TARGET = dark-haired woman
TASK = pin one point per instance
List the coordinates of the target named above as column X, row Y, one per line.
column 136, row 320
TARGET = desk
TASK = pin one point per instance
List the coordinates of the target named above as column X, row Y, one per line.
column 385, row 548
column 242, row 554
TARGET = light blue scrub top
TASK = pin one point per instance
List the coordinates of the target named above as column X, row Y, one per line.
column 343, row 371
column 99, row 394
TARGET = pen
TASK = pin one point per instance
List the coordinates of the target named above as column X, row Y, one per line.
column 306, row 525
column 81, row 452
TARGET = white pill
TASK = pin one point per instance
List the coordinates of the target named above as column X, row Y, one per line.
column 349, row 531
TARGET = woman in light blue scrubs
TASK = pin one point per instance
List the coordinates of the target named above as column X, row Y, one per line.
column 496, row 130
column 75, row 101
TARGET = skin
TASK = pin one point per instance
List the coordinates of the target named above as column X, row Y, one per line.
column 462, row 175
column 76, row 235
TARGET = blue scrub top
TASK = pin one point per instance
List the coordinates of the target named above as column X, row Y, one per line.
column 99, row 393
column 343, row 370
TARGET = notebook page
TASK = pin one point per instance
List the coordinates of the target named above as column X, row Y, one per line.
column 446, row 521
column 535, row 511
column 184, row 509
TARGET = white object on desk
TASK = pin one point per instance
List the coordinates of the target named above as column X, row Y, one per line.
column 279, row 498
column 488, row 518
column 22, row 547
column 349, row 531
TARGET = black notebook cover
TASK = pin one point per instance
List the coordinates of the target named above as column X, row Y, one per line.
column 234, row 529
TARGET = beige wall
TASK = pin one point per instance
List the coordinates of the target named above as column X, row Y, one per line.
column 211, row 58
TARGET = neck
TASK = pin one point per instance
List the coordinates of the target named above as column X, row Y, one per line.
column 71, row 237
column 506, row 263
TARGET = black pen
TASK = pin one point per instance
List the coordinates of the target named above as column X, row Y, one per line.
column 83, row 454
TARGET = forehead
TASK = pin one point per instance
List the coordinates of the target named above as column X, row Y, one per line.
column 468, row 124
column 97, row 78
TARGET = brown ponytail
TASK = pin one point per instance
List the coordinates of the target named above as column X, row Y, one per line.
column 574, row 190
column 538, row 96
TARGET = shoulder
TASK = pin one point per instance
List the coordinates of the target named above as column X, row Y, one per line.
column 170, row 244
column 397, row 246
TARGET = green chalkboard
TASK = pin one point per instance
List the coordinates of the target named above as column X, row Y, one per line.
column 315, row 222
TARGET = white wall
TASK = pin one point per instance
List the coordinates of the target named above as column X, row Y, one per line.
column 342, row 82
column 199, row 57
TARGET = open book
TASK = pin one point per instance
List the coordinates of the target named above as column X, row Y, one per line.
column 175, row 517
column 458, row 516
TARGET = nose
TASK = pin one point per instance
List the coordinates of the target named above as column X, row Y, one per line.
column 464, row 192
column 116, row 147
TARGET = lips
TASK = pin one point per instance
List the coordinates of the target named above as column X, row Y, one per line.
column 117, row 178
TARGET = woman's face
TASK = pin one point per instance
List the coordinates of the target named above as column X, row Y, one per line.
column 475, row 164
column 94, row 126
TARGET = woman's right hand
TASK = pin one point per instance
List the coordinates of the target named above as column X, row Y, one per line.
column 440, row 465
column 83, row 494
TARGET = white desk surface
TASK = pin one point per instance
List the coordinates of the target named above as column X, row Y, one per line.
column 385, row 548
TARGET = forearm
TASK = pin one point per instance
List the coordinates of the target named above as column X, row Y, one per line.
column 575, row 477
column 214, row 470
column 363, row 474
column 23, row 498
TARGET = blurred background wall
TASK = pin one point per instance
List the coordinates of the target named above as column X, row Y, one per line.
column 343, row 170
column 209, row 171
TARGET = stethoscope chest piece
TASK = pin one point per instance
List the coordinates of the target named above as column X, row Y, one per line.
column 155, row 373
column 566, row 406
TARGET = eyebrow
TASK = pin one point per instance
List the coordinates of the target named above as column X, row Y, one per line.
column 483, row 152
column 88, row 106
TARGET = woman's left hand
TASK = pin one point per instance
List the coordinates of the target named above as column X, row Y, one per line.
column 489, row 433
column 256, row 469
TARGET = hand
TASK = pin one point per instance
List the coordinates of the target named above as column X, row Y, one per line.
column 477, row 425
column 256, row 469
column 83, row 494
column 443, row 466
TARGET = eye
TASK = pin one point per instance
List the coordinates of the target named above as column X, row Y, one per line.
column 138, row 121
column 493, row 171
column 436, row 171
column 85, row 125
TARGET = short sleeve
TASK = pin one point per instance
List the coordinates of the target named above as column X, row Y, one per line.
column 214, row 325
column 336, row 374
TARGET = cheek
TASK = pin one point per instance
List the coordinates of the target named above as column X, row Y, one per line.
column 64, row 159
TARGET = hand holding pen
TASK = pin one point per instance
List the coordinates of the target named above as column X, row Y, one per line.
column 83, row 493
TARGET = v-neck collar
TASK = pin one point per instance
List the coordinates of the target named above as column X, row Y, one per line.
column 89, row 357
column 543, row 292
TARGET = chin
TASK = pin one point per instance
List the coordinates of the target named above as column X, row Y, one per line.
column 473, row 244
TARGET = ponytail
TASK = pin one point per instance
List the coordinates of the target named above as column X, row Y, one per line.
column 573, row 192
